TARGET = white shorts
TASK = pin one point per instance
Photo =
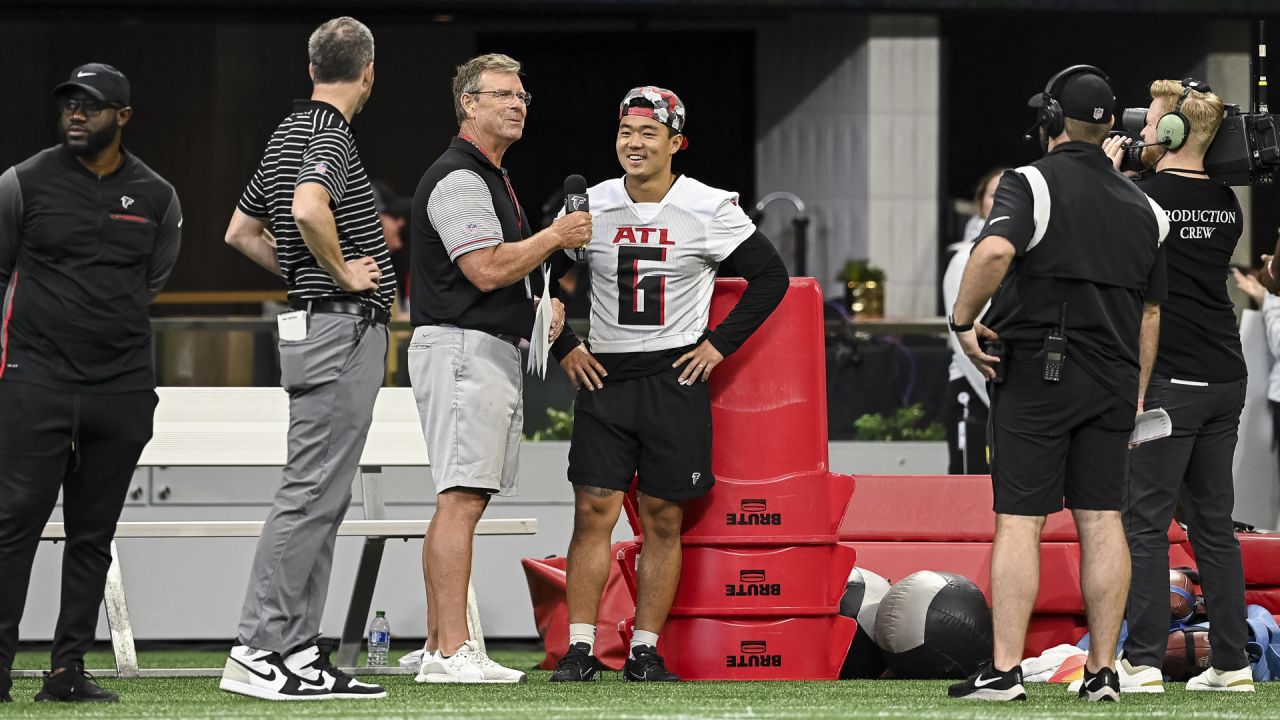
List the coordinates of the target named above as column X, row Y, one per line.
column 469, row 391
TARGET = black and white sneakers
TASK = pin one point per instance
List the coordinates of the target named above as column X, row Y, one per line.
column 991, row 684
column 645, row 665
column 304, row 675
column 73, row 685
column 1102, row 686
column 577, row 665
column 262, row 674
column 312, row 665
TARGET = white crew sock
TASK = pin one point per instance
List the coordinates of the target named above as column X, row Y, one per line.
column 643, row 638
column 583, row 633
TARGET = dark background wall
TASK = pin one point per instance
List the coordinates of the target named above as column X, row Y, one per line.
column 209, row 86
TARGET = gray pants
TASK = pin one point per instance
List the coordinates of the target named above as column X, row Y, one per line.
column 1194, row 466
column 332, row 378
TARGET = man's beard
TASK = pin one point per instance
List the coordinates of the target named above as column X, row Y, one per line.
column 94, row 142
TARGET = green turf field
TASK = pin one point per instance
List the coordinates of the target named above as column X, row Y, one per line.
column 612, row 699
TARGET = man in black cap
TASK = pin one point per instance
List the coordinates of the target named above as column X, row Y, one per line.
column 1072, row 252
column 88, row 235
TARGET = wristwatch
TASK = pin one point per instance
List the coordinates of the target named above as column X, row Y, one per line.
column 957, row 329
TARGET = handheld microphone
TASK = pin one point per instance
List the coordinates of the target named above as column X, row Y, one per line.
column 576, row 200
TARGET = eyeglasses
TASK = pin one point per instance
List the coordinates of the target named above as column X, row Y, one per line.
column 506, row 95
column 91, row 108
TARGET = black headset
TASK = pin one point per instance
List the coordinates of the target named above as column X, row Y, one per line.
column 1173, row 128
column 1051, row 118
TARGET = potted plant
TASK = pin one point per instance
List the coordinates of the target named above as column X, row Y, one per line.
column 863, row 288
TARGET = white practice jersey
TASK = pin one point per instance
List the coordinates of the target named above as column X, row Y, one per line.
column 653, row 265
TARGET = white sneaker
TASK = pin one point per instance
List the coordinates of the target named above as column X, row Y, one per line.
column 413, row 659
column 1139, row 678
column 1223, row 680
column 467, row 665
column 313, row 666
column 432, row 663
column 263, row 674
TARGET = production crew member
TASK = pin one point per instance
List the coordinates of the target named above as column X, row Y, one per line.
column 1075, row 250
column 88, row 235
column 1199, row 378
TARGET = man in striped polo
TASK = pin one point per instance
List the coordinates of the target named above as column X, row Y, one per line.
column 308, row 215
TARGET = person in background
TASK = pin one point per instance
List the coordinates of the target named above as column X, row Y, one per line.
column 1269, row 304
column 393, row 212
column 88, row 236
column 967, row 408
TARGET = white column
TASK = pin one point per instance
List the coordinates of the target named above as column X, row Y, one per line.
column 902, row 139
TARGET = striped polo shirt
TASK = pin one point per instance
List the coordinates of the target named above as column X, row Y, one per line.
column 315, row 144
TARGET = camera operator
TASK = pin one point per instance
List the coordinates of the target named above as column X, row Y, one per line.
column 1075, row 250
column 1199, row 378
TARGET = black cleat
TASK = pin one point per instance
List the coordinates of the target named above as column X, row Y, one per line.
column 645, row 665
column 1103, row 686
column 6, row 684
column 577, row 665
column 991, row 684
column 73, row 684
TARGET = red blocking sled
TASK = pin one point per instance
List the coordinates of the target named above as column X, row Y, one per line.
column 546, row 578
column 768, row 399
column 803, row 648
column 788, row 581
column 797, row 508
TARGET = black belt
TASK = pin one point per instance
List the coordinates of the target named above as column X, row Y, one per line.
column 343, row 307
column 504, row 337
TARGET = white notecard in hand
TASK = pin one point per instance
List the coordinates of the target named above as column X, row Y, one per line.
column 1151, row 425
column 539, row 347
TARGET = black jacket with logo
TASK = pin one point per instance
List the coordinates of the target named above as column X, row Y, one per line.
column 81, row 258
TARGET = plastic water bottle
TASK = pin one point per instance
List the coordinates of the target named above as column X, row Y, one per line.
column 379, row 640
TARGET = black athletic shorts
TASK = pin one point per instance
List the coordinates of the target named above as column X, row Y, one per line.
column 1056, row 441
column 652, row 425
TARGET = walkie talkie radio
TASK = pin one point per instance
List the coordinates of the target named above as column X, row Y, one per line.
column 1055, row 349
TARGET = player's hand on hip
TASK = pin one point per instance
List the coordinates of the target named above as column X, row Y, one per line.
column 573, row 230
column 583, row 369
column 972, row 348
column 362, row 275
column 701, row 361
column 557, row 320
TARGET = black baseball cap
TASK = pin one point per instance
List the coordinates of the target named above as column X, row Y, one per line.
column 100, row 80
column 1083, row 95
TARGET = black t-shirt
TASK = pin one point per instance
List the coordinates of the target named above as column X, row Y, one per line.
column 1198, row 335
column 1086, row 237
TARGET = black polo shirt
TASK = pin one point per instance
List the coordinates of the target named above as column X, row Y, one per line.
column 465, row 203
column 1086, row 237
column 1199, row 339
column 81, row 258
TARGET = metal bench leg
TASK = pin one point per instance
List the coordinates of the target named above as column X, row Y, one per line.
column 118, row 620
column 361, row 599
column 473, row 618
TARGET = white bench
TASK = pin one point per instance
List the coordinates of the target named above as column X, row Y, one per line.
column 244, row 427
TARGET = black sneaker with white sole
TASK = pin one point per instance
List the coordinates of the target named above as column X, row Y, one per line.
column 991, row 684
column 73, row 684
column 1102, row 686
column 644, row 664
column 577, row 665
column 312, row 664
column 262, row 674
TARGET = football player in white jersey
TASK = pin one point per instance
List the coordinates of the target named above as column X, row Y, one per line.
column 658, row 241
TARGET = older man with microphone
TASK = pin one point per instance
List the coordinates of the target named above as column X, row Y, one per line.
column 472, row 301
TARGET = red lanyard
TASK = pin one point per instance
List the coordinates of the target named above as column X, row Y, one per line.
column 511, row 192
